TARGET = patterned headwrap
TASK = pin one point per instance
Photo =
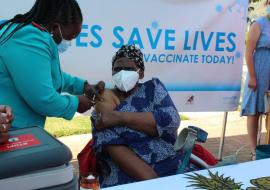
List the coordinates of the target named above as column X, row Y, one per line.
column 131, row 52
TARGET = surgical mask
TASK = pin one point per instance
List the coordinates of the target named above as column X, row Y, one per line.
column 125, row 80
column 64, row 44
column 268, row 10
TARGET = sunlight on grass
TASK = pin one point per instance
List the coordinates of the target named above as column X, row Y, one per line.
column 60, row 127
column 183, row 117
column 78, row 125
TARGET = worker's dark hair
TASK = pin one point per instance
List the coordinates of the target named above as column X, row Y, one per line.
column 45, row 12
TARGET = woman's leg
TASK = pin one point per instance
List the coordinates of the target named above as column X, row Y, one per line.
column 130, row 163
column 252, row 128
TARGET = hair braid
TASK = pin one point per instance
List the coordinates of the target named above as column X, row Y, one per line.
column 44, row 12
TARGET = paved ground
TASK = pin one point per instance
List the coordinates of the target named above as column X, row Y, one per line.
column 236, row 134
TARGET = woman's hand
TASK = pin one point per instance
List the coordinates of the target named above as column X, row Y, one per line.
column 252, row 84
column 84, row 104
column 6, row 118
column 138, row 121
column 93, row 92
column 107, row 119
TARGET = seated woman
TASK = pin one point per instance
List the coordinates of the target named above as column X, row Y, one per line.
column 135, row 126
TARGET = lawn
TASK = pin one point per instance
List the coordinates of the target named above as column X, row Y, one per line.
column 61, row 127
column 78, row 125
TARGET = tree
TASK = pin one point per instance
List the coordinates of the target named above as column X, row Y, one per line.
column 251, row 8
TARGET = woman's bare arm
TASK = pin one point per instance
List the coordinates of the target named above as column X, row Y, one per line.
column 110, row 101
column 253, row 36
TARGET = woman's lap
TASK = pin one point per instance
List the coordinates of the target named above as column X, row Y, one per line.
column 117, row 176
column 163, row 168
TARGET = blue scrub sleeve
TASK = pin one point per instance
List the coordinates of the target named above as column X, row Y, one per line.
column 72, row 85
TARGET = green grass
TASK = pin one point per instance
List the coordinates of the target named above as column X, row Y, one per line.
column 183, row 117
column 60, row 127
column 78, row 125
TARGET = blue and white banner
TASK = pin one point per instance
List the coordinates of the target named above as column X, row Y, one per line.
column 194, row 47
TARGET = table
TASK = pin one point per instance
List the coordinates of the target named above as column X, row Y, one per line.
column 243, row 172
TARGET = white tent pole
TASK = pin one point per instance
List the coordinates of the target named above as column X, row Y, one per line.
column 222, row 138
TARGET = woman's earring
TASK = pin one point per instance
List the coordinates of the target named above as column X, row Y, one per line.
column 51, row 34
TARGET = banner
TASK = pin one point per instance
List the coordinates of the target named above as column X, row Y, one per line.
column 194, row 47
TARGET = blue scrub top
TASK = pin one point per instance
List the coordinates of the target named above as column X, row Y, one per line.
column 31, row 80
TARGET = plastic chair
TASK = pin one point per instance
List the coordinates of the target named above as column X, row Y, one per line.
column 185, row 143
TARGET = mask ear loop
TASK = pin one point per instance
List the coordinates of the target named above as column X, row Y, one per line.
column 60, row 32
column 138, row 71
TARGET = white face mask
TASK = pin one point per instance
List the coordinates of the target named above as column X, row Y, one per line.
column 125, row 80
column 64, row 44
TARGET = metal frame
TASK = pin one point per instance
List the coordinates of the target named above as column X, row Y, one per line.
column 222, row 138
